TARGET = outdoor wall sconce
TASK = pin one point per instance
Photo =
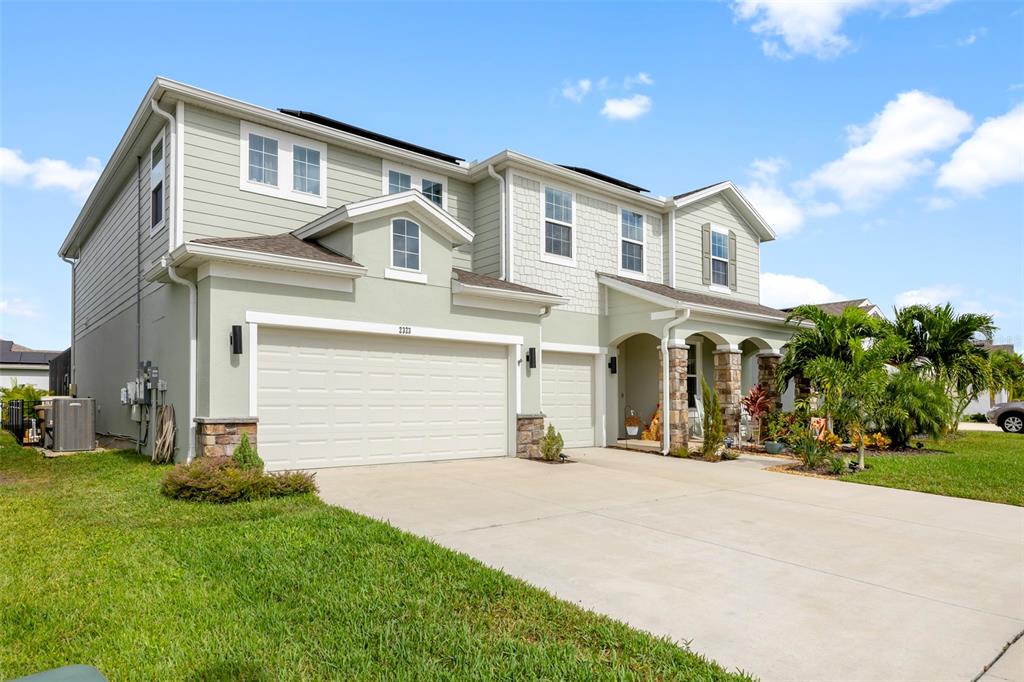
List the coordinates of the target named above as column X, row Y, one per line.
column 236, row 339
column 531, row 357
column 613, row 365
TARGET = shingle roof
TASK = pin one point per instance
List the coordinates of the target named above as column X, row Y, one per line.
column 699, row 189
column 835, row 307
column 475, row 279
column 701, row 299
column 14, row 354
column 603, row 177
column 283, row 245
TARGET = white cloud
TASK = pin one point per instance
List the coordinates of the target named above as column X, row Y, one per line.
column 933, row 295
column 891, row 149
column 939, row 203
column 626, row 108
column 576, row 91
column 48, row 173
column 1016, row 86
column 972, row 37
column 786, row 291
column 780, row 210
column 16, row 307
column 813, row 26
column 639, row 79
column 992, row 156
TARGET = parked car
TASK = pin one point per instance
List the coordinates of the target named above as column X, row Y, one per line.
column 1007, row 416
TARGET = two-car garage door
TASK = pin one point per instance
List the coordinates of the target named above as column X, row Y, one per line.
column 334, row 399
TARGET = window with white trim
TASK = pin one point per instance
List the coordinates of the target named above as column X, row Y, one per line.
column 632, row 243
column 305, row 170
column 398, row 179
column 719, row 257
column 405, row 244
column 279, row 164
column 156, row 183
column 558, row 223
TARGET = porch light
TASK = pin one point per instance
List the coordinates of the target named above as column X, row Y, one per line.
column 613, row 364
column 531, row 357
column 236, row 339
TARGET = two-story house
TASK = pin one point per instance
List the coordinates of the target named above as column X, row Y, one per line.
column 351, row 298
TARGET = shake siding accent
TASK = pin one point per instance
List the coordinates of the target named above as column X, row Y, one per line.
column 106, row 270
column 719, row 211
column 487, row 225
column 215, row 206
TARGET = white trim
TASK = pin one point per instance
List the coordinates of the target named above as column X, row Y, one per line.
column 510, row 251
column 669, row 237
column 360, row 327
column 309, row 280
column 25, row 367
column 719, row 289
column 412, row 202
column 600, row 399
column 416, row 178
column 471, row 300
column 194, row 252
column 519, row 369
column 286, row 142
column 404, row 275
column 571, row 348
column 506, row 294
column 739, row 201
column 727, row 348
column 253, row 368
column 513, row 397
column 573, row 236
column 713, row 286
column 160, row 139
column 642, row 294
column 642, row 272
column 179, row 173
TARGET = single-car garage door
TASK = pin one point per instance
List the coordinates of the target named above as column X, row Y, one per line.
column 568, row 396
column 330, row 399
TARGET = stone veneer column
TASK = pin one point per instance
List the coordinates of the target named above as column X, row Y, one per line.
column 529, row 431
column 801, row 387
column 218, row 436
column 767, row 375
column 728, row 386
column 677, row 415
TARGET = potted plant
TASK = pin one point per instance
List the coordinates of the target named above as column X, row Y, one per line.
column 777, row 430
column 633, row 422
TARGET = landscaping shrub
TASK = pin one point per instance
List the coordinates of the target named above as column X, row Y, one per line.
column 811, row 451
column 836, row 464
column 714, row 429
column 220, row 479
column 682, row 451
column 245, row 455
column 551, row 444
column 913, row 405
column 977, row 418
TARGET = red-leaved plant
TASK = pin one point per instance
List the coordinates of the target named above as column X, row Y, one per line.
column 758, row 404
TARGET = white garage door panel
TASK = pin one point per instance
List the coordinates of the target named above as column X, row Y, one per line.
column 335, row 399
column 568, row 386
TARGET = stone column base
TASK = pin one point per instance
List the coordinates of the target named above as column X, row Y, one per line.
column 218, row 436
column 767, row 375
column 728, row 385
column 529, row 431
column 677, row 419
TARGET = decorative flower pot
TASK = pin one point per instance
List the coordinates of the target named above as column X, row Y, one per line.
column 773, row 447
column 631, row 431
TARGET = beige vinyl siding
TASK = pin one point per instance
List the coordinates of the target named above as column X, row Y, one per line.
column 719, row 211
column 215, row 205
column 106, row 271
column 487, row 226
column 461, row 202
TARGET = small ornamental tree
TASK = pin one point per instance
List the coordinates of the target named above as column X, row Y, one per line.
column 551, row 444
column 245, row 455
column 714, row 428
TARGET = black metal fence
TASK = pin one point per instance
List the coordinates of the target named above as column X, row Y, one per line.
column 20, row 418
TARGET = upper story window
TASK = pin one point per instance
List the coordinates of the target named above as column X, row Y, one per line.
column 719, row 257
column 432, row 187
column 306, row 170
column 156, row 183
column 405, row 244
column 632, row 243
column 558, row 224
column 279, row 164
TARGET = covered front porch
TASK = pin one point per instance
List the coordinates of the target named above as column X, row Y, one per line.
column 664, row 342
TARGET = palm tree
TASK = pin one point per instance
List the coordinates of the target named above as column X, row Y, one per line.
column 1006, row 373
column 853, row 388
column 945, row 345
column 913, row 404
column 831, row 336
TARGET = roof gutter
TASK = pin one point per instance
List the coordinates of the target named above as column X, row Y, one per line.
column 74, row 294
column 665, row 411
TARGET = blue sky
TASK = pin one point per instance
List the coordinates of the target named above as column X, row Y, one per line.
column 883, row 139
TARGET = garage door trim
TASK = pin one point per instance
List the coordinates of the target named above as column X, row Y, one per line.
column 515, row 343
column 599, row 353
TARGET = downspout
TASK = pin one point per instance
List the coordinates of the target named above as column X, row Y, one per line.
column 172, row 273
column 172, row 191
column 138, row 283
column 679, row 319
column 74, row 292
column 501, row 218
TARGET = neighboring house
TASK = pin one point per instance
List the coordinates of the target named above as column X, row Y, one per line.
column 983, row 403
column 370, row 300
column 837, row 307
column 24, row 365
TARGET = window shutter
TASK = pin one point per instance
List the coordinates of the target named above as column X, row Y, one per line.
column 706, row 251
column 732, row 260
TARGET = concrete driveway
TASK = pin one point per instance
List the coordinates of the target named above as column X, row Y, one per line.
column 785, row 577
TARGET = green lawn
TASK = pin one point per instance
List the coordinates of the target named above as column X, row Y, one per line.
column 97, row 567
column 978, row 465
